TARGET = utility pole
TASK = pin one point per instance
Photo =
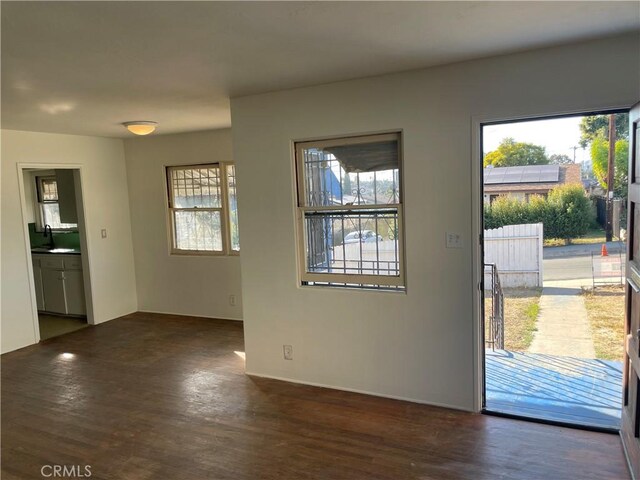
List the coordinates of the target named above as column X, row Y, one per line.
column 610, row 175
column 574, row 153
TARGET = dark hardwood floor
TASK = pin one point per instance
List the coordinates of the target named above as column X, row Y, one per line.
column 164, row 397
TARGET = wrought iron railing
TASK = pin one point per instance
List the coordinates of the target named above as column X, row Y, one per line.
column 366, row 267
column 494, row 336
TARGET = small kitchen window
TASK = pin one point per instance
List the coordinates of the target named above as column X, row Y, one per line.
column 49, row 206
column 203, row 211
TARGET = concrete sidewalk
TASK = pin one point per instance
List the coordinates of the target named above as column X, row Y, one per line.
column 563, row 327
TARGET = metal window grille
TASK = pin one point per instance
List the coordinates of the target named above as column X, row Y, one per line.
column 233, row 208
column 198, row 210
column 349, row 199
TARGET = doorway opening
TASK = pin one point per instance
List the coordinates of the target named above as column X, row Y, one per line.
column 554, row 246
column 53, row 216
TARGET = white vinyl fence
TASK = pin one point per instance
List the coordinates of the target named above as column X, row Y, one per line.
column 516, row 250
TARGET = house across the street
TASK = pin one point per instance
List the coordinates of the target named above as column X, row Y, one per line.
column 523, row 181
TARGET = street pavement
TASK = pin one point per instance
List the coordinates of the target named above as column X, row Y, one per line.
column 574, row 261
column 587, row 249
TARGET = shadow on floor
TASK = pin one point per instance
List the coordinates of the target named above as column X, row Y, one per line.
column 54, row 325
column 564, row 389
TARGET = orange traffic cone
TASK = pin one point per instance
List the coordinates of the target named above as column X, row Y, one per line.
column 603, row 251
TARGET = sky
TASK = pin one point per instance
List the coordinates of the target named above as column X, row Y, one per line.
column 558, row 135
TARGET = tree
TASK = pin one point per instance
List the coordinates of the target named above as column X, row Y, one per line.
column 560, row 159
column 600, row 160
column 511, row 153
column 596, row 126
column 346, row 185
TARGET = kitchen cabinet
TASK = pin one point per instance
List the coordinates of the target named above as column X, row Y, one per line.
column 37, row 280
column 53, row 288
column 74, row 292
column 62, row 284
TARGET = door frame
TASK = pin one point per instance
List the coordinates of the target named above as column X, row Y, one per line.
column 82, row 231
column 628, row 431
column 477, row 223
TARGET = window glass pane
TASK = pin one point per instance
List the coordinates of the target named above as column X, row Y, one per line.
column 196, row 187
column 51, row 217
column 353, row 243
column 360, row 174
column 48, row 190
column 233, row 208
column 198, row 230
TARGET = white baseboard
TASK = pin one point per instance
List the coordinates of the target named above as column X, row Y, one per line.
column 190, row 315
column 364, row 392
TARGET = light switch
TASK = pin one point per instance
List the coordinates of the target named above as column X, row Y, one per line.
column 454, row 240
column 103, row 233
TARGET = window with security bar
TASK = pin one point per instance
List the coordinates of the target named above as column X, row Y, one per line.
column 203, row 209
column 350, row 212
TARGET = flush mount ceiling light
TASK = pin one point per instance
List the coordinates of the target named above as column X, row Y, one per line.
column 140, row 127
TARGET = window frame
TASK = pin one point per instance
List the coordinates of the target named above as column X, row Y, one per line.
column 40, row 203
column 224, row 209
column 347, row 280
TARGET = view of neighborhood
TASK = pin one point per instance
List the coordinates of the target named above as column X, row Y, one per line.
column 352, row 217
column 554, row 248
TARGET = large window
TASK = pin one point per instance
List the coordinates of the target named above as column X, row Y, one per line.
column 48, row 205
column 350, row 212
column 203, row 209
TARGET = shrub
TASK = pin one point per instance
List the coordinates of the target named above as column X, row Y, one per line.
column 572, row 210
column 507, row 210
column 566, row 213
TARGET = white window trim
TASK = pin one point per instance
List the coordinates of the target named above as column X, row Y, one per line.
column 338, row 278
column 225, row 218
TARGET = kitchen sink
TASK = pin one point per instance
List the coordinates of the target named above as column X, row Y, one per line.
column 53, row 250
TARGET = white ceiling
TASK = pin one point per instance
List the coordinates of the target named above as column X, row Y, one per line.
column 85, row 67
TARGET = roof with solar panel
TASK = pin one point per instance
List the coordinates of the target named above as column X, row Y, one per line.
column 522, row 174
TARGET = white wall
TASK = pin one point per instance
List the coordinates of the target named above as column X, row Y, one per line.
column 188, row 285
column 30, row 193
column 106, row 204
column 419, row 345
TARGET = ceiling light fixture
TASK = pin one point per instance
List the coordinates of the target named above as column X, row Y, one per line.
column 140, row 127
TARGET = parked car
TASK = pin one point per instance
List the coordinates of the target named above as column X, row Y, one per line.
column 365, row 236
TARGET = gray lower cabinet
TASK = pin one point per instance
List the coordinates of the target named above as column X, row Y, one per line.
column 59, row 284
column 53, row 288
column 37, row 279
column 74, row 292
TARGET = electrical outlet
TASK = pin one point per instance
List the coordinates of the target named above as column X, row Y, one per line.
column 454, row 240
column 288, row 352
column 232, row 300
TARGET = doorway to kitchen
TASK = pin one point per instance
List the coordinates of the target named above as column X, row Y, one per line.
column 53, row 216
column 554, row 230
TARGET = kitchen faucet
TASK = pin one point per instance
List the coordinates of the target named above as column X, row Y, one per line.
column 51, row 244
